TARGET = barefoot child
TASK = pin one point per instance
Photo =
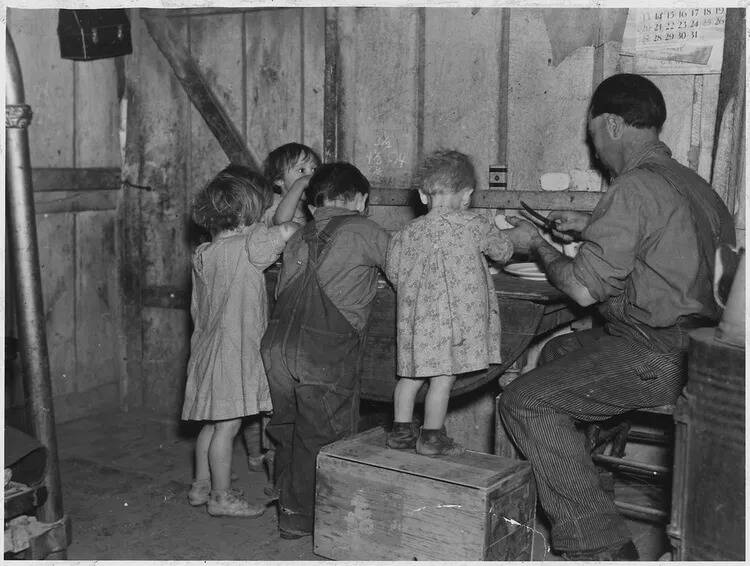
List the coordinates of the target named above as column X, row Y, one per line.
column 226, row 380
column 313, row 347
column 447, row 317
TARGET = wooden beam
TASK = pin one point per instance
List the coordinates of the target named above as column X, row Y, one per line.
column 49, row 202
column 78, row 179
column 540, row 200
column 331, row 88
column 198, row 90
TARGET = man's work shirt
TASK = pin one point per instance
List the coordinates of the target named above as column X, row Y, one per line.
column 654, row 243
column 349, row 272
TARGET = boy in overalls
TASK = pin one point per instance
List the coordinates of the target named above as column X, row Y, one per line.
column 312, row 349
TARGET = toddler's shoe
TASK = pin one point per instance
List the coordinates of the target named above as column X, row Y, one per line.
column 230, row 503
column 403, row 436
column 435, row 442
column 199, row 492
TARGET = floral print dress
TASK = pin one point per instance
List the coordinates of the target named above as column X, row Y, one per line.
column 447, row 317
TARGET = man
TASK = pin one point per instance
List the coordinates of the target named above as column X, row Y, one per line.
column 646, row 260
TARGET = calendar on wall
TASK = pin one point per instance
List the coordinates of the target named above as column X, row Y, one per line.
column 675, row 40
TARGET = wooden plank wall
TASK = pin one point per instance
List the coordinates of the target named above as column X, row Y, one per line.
column 75, row 125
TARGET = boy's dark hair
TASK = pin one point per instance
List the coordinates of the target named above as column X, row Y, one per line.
column 635, row 98
column 283, row 157
column 236, row 195
column 336, row 180
column 447, row 171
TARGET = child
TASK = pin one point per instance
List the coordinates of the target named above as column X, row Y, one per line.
column 447, row 312
column 226, row 380
column 289, row 168
column 313, row 346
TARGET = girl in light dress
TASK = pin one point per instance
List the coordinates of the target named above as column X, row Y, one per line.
column 229, row 306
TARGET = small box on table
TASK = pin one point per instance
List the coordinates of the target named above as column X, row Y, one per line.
column 376, row 503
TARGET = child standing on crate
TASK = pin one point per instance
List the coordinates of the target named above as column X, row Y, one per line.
column 226, row 379
column 313, row 347
column 447, row 312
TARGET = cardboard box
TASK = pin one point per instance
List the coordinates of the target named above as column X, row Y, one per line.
column 375, row 503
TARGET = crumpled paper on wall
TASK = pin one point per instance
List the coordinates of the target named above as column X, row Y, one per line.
column 571, row 28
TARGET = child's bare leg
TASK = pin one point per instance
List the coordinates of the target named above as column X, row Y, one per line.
column 202, row 469
column 436, row 401
column 403, row 399
column 220, row 453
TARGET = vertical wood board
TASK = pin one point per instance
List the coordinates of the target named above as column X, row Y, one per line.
column 379, row 58
column 462, row 83
column 57, row 249
column 546, row 105
column 163, row 119
column 97, row 114
column 678, row 96
column 97, row 300
column 708, row 124
column 222, row 64
column 313, row 67
column 166, row 338
column 274, row 78
column 48, row 86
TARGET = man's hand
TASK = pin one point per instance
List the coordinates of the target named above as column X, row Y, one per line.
column 525, row 236
column 570, row 220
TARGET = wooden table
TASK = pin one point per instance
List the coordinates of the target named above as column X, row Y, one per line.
column 528, row 309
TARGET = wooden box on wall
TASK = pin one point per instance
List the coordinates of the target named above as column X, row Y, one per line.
column 375, row 503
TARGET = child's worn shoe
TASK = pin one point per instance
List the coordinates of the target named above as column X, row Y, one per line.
column 433, row 442
column 199, row 492
column 231, row 504
column 403, row 436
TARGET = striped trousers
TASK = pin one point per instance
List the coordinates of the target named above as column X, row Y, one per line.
column 584, row 377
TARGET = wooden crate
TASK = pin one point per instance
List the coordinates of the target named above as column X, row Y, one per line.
column 374, row 503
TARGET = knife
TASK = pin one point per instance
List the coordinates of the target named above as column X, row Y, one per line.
column 546, row 222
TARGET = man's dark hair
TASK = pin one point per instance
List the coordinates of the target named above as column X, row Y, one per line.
column 635, row 98
column 336, row 180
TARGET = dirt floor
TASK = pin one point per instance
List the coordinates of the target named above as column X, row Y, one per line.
column 125, row 480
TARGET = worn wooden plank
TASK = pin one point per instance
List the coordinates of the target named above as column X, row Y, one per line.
column 313, row 72
column 332, row 89
column 708, row 124
column 74, row 179
column 171, row 43
column 547, row 104
column 379, row 55
column 74, row 201
column 678, row 96
column 538, row 199
column 48, row 85
column 221, row 63
column 55, row 234
column 97, row 300
column 97, row 114
column 166, row 338
column 273, row 66
column 462, row 82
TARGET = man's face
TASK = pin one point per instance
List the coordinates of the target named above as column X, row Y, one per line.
column 601, row 138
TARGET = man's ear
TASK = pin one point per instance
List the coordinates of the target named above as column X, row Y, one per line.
column 615, row 125
column 361, row 201
column 424, row 197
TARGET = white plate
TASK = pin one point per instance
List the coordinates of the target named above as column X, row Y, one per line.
column 526, row 271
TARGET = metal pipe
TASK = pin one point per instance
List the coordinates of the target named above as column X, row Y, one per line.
column 24, row 253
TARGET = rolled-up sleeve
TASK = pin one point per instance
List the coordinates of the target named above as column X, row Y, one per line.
column 610, row 241
column 393, row 257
